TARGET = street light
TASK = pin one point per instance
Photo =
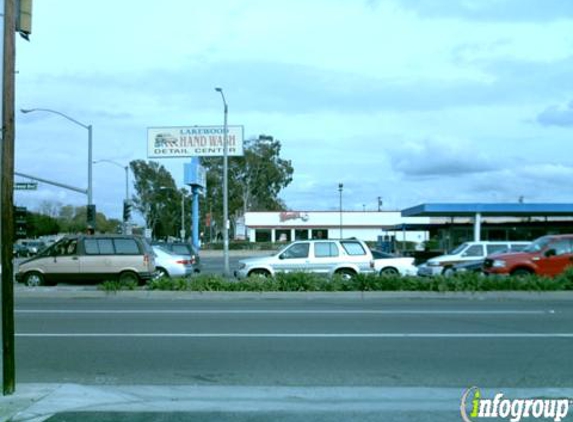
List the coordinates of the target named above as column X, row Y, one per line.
column 89, row 129
column 340, row 186
column 225, row 187
column 126, row 168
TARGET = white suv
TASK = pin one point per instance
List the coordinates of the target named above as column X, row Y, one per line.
column 328, row 257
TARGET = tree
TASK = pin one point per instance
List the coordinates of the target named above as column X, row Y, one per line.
column 158, row 199
column 255, row 179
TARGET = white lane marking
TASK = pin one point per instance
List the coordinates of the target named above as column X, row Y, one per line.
column 303, row 335
column 283, row 311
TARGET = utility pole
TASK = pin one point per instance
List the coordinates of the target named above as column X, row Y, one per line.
column 7, row 199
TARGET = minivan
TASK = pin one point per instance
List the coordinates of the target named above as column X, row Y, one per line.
column 468, row 251
column 89, row 258
column 547, row 256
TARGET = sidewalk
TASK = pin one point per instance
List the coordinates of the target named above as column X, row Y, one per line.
column 40, row 402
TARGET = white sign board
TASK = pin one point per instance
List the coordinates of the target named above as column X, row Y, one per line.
column 193, row 141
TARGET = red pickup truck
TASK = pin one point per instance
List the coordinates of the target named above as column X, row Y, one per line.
column 547, row 255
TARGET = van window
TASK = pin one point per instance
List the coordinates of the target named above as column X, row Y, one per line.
column 126, row 247
column 491, row 249
column 474, row 250
column 98, row 247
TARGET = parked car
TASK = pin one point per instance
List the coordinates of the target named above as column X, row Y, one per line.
column 547, row 256
column 20, row 251
column 183, row 248
column 388, row 264
column 85, row 258
column 468, row 251
column 170, row 264
column 328, row 257
column 477, row 266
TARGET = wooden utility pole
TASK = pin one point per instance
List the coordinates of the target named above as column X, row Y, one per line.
column 7, row 199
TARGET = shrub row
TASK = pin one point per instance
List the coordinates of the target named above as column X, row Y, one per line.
column 308, row 282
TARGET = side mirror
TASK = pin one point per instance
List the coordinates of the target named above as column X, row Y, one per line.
column 550, row 252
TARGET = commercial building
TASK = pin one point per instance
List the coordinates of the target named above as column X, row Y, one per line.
column 286, row 226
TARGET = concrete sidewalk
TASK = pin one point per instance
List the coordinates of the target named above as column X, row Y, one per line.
column 40, row 402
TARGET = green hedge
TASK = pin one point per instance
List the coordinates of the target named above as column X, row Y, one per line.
column 308, row 282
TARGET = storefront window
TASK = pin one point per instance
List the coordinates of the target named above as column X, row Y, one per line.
column 320, row 234
column 301, row 235
column 283, row 236
column 262, row 235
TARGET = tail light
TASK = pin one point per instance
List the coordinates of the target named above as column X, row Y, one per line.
column 184, row 262
column 372, row 265
column 146, row 259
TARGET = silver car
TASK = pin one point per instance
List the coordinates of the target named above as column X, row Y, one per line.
column 170, row 264
column 328, row 257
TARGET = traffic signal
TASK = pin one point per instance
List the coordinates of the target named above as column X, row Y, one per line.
column 91, row 216
column 20, row 222
column 24, row 18
column 126, row 211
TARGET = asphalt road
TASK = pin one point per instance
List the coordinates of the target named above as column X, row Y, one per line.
column 376, row 343
column 416, row 347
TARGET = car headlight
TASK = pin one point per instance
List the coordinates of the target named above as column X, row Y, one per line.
column 242, row 265
column 498, row 263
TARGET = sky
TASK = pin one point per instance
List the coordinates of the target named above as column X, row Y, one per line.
column 412, row 101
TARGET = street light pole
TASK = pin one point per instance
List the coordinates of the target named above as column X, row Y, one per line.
column 340, row 186
column 89, row 129
column 225, row 186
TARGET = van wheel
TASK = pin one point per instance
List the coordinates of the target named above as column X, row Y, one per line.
column 34, row 279
column 128, row 277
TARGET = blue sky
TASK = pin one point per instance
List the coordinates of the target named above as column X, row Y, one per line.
column 410, row 100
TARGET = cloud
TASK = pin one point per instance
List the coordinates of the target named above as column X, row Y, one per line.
column 433, row 158
column 557, row 115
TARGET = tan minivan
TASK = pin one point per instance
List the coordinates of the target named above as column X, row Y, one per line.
column 90, row 258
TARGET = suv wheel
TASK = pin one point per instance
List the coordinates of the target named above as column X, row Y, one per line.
column 346, row 273
column 521, row 272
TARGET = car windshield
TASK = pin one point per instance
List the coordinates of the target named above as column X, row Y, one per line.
column 459, row 249
column 538, row 245
column 380, row 255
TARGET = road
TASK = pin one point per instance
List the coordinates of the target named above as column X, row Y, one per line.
column 384, row 346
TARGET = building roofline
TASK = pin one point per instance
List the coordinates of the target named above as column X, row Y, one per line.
column 491, row 209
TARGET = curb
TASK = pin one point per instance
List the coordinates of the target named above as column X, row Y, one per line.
column 49, row 292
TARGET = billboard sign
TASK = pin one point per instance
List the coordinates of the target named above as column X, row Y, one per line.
column 193, row 141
